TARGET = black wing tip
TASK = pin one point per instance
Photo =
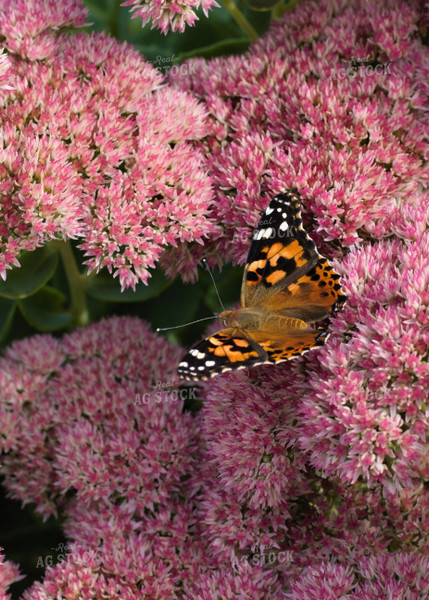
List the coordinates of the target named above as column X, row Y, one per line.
column 287, row 198
column 287, row 195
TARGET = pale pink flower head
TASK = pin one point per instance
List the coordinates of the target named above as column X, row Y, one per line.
column 363, row 410
column 386, row 575
column 332, row 102
column 323, row 582
column 27, row 24
column 106, row 383
column 249, row 432
column 158, row 550
column 9, row 573
column 93, row 150
column 241, row 582
column 346, row 522
column 252, row 478
column 5, row 71
column 80, row 576
column 169, row 15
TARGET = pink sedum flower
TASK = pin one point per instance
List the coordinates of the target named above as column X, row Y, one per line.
column 79, row 577
column 9, row 573
column 363, row 403
column 397, row 575
column 57, row 395
column 169, row 15
column 5, row 71
column 22, row 22
column 332, row 102
column 162, row 503
column 93, row 150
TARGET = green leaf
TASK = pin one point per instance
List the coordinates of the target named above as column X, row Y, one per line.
column 7, row 310
column 98, row 8
column 104, row 287
column 228, row 46
column 44, row 310
column 180, row 304
column 37, row 267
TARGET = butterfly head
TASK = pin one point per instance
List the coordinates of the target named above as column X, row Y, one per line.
column 227, row 319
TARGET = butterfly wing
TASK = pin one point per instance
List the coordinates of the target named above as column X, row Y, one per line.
column 285, row 274
column 311, row 297
column 280, row 252
column 232, row 349
column 281, row 346
column 224, row 350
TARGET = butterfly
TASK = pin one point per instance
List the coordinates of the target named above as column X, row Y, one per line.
column 287, row 285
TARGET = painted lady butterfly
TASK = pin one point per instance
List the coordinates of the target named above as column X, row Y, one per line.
column 286, row 286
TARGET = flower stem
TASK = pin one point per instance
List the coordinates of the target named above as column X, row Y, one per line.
column 76, row 281
column 114, row 19
column 236, row 14
column 280, row 8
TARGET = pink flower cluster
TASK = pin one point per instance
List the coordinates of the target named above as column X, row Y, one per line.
column 162, row 504
column 384, row 577
column 332, row 102
column 9, row 573
column 363, row 412
column 48, row 413
column 27, row 25
column 169, row 15
column 94, row 147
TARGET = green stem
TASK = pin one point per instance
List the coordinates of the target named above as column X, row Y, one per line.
column 76, row 283
column 236, row 14
column 280, row 8
column 114, row 18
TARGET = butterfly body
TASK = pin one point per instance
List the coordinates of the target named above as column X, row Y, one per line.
column 287, row 285
column 250, row 319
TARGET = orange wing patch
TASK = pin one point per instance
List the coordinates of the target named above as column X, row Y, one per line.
column 285, row 346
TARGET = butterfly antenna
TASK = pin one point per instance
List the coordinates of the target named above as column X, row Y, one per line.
column 214, row 283
column 184, row 324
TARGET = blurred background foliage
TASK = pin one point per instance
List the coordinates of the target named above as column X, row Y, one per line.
column 36, row 297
